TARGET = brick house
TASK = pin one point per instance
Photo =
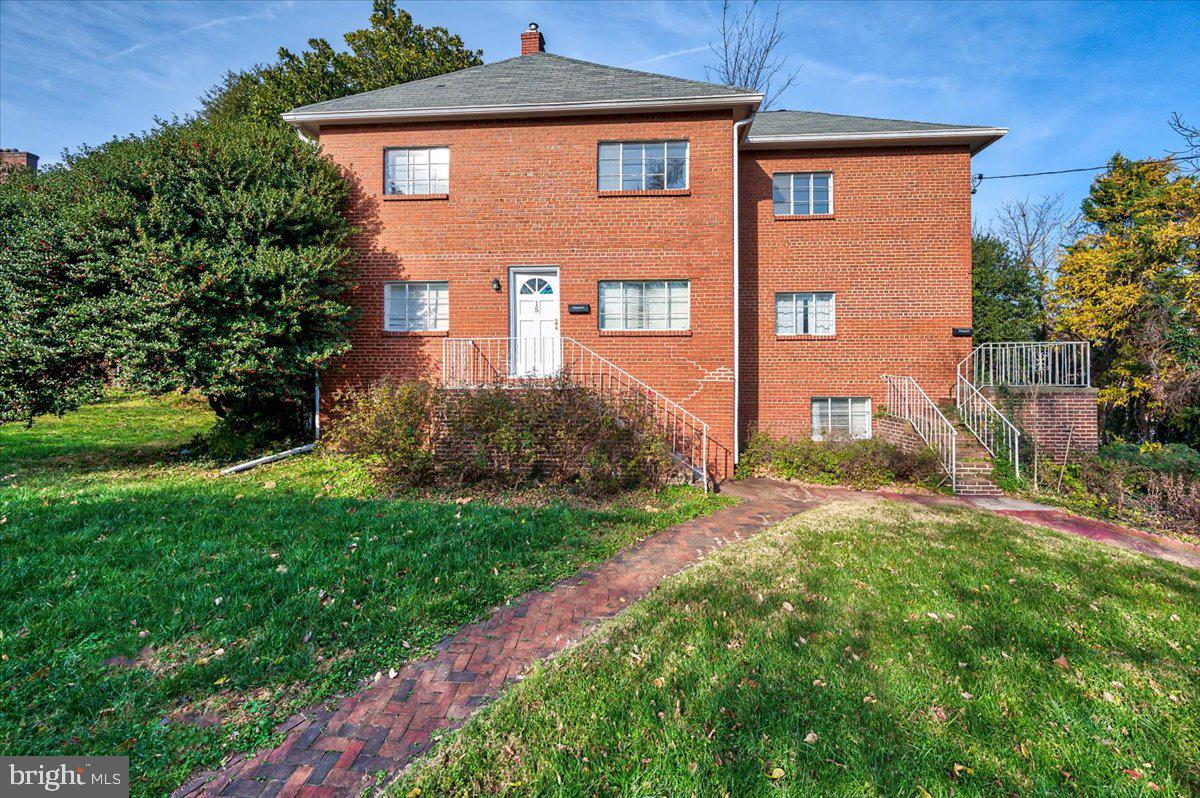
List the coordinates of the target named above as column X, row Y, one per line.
column 743, row 269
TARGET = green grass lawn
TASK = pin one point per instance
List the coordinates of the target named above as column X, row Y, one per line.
column 138, row 590
column 864, row 649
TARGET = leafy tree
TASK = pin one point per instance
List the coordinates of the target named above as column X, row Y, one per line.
column 199, row 256
column 57, row 248
column 1004, row 293
column 392, row 50
column 1131, row 286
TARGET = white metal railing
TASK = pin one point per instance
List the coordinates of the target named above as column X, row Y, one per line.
column 509, row 362
column 1029, row 363
column 906, row 400
column 997, row 434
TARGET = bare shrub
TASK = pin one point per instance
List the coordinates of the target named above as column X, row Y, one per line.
column 556, row 433
column 392, row 427
column 861, row 464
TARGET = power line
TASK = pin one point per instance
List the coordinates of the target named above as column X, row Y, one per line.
column 977, row 179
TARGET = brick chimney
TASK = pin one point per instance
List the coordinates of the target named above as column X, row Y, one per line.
column 12, row 159
column 532, row 41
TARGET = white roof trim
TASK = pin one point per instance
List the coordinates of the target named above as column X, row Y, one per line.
column 977, row 137
column 309, row 118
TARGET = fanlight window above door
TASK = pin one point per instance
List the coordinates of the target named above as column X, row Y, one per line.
column 536, row 285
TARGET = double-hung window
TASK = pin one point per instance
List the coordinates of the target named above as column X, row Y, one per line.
column 645, row 305
column 416, row 306
column 642, row 165
column 416, row 170
column 841, row 417
column 804, row 314
column 802, row 193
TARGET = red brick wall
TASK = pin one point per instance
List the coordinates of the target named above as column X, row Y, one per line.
column 897, row 252
column 1054, row 416
column 11, row 160
column 523, row 192
column 897, row 431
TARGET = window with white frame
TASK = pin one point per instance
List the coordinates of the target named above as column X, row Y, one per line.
column 804, row 314
column 645, row 305
column 416, row 307
column 841, row 417
column 416, row 170
column 802, row 193
column 642, row 165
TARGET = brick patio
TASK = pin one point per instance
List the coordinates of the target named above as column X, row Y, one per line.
column 383, row 727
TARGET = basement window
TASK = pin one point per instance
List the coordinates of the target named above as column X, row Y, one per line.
column 841, row 417
column 645, row 305
column 802, row 193
column 804, row 314
column 416, row 170
column 642, row 165
column 416, row 307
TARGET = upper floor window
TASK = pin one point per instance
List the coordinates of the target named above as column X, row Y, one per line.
column 645, row 305
column 416, row 306
column 416, row 170
column 802, row 193
column 841, row 417
column 804, row 314
column 643, row 165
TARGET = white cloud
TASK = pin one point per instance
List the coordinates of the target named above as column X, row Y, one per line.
column 655, row 59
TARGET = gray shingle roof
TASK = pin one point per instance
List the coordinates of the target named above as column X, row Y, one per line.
column 537, row 79
column 803, row 123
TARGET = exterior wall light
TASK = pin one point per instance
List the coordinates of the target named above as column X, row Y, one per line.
column 496, row 284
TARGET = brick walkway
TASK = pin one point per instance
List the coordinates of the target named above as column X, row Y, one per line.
column 1159, row 546
column 331, row 752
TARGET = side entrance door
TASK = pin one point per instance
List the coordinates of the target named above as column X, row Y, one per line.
column 536, row 346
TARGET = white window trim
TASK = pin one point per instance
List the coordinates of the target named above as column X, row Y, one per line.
column 408, row 177
column 813, row 294
column 820, row 436
column 390, row 287
column 792, row 193
column 625, row 328
column 687, row 165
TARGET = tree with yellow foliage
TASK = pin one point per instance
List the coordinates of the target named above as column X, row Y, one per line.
column 1131, row 286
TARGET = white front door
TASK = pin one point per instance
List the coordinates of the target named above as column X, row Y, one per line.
column 536, row 349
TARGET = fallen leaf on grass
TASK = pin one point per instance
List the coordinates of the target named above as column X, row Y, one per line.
column 1061, row 661
column 811, row 738
column 1132, row 774
column 775, row 774
column 788, row 607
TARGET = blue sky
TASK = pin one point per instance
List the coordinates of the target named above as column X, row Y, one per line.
column 1074, row 81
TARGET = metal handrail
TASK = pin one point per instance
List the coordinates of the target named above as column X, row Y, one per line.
column 906, row 400
column 985, row 421
column 1029, row 363
column 510, row 361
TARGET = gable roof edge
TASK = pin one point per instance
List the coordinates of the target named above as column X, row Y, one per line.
column 977, row 138
column 306, row 119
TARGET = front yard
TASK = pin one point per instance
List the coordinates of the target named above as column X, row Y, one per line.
column 144, row 599
column 864, row 648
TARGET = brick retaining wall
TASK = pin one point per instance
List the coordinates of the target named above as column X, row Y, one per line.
column 1054, row 416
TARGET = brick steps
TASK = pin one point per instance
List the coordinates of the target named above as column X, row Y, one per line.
column 974, row 467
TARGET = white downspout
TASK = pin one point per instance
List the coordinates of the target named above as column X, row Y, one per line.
column 306, row 448
column 737, row 296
